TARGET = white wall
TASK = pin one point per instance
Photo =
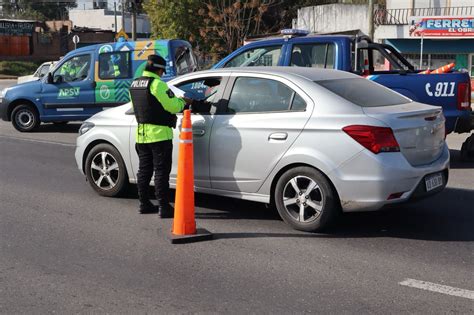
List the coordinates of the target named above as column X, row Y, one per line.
column 98, row 19
column 334, row 18
column 406, row 4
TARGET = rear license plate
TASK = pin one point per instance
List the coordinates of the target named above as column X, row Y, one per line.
column 433, row 181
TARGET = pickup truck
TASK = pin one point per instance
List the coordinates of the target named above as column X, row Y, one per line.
column 451, row 91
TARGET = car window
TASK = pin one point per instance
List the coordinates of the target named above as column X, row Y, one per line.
column 264, row 56
column 298, row 103
column 42, row 71
column 262, row 95
column 115, row 65
column 184, row 60
column 313, row 56
column 75, row 69
column 364, row 92
column 205, row 92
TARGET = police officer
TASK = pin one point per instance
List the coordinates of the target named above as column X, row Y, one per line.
column 155, row 107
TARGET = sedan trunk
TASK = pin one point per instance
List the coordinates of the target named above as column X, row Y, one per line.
column 418, row 128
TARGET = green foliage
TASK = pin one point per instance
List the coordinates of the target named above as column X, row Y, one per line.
column 18, row 68
column 173, row 19
column 217, row 27
column 37, row 10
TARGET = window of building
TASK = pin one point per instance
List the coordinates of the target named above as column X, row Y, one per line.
column 264, row 56
column 313, row 55
column 255, row 95
column 115, row 65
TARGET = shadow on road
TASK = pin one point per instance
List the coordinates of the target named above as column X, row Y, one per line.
column 448, row 216
column 58, row 128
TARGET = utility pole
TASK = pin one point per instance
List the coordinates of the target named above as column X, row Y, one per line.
column 115, row 16
column 371, row 19
column 123, row 15
column 134, row 19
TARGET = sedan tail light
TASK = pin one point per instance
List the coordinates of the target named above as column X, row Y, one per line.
column 375, row 139
column 464, row 96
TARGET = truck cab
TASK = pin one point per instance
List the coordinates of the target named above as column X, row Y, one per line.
column 88, row 80
column 357, row 54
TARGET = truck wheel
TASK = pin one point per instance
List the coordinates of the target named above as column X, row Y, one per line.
column 25, row 118
column 306, row 200
column 105, row 170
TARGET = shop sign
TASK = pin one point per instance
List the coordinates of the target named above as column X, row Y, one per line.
column 441, row 26
column 8, row 27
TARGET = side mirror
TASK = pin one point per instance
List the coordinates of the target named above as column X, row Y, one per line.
column 50, row 78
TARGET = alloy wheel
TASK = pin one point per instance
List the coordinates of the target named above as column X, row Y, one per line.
column 303, row 199
column 104, row 170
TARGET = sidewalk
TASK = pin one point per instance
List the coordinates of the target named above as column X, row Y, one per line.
column 7, row 77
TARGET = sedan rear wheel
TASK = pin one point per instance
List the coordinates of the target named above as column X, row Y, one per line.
column 105, row 170
column 305, row 199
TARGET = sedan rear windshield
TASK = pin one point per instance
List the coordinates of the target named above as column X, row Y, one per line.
column 363, row 92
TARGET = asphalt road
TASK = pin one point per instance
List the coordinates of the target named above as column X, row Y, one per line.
column 64, row 249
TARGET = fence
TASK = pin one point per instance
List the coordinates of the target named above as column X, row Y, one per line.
column 383, row 16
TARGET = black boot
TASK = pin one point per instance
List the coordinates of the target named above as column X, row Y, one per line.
column 166, row 212
column 148, row 207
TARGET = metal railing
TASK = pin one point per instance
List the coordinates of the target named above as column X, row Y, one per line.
column 383, row 16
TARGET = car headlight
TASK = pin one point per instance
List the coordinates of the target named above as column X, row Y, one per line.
column 85, row 127
column 3, row 93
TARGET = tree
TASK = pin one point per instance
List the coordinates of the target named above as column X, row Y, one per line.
column 173, row 19
column 37, row 10
column 226, row 23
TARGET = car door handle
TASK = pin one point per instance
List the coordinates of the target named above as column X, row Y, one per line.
column 278, row 136
column 199, row 132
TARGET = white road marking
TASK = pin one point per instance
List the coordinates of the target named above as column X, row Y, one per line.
column 439, row 288
column 39, row 141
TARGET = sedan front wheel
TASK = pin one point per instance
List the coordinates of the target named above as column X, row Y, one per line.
column 305, row 199
column 105, row 170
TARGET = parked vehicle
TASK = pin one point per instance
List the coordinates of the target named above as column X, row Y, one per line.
column 42, row 70
column 311, row 142
column 358, row 54
column 89, row 79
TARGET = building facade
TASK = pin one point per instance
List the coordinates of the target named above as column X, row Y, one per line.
column 398, row 23
column 110, row 20
column 448, row 35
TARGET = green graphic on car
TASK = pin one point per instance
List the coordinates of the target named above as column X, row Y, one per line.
column 116, row 90
column 68, row 93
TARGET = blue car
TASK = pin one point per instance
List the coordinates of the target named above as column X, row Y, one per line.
column 89, row 79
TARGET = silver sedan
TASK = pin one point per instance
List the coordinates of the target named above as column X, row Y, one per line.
column 311, row 142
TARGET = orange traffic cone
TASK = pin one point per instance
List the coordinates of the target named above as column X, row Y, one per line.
column 365, row 71
column 443, row 69
column 184, row 224
column 427, row 71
